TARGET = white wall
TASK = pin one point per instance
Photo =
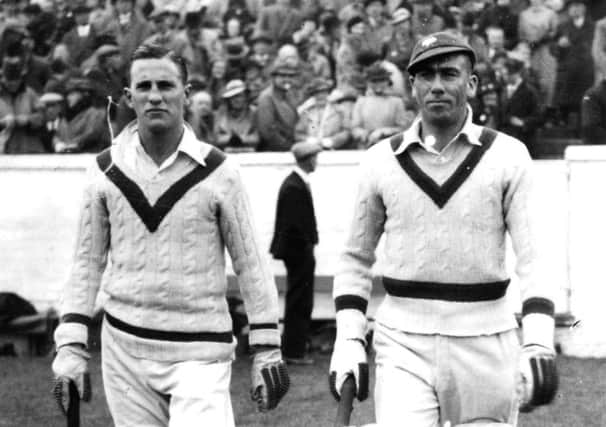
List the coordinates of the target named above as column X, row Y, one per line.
column 40, row 201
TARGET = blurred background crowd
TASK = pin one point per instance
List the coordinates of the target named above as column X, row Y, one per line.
column 265, row 74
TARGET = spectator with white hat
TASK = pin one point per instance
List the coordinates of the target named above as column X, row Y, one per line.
column 236, row 121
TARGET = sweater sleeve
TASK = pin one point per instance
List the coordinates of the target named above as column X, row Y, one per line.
column 353, row 280
column 522, row 220
column 250, row 263
column 89, row 261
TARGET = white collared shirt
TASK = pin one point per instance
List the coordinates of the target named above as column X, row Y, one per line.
column 304, row 175
column 413, row 135
column 138, row 160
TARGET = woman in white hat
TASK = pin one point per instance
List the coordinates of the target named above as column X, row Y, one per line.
column 236, row 124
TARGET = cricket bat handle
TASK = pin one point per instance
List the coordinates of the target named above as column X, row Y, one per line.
column 348, row 392
column 73, row 411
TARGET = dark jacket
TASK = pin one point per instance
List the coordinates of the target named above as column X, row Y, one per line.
column 593, row 115
column 295, row 227
column 575, row 72
column 277, row 117
column 524, row 104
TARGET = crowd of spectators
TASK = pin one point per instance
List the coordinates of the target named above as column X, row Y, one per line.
column 265, row 74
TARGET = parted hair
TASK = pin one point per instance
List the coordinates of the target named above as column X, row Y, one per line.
column 156, row 51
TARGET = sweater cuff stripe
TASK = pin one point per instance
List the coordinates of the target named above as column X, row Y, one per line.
column 355, row 302
column 76, row 318
column 538, row 305
column 256, row 326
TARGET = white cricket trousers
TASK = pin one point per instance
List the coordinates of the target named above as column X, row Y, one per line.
column 148, row 393
column 432, row 380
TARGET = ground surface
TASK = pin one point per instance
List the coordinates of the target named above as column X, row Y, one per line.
column 25, row 398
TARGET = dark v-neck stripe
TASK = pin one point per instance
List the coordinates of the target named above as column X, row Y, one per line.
column 441, row 194
column 152, row 216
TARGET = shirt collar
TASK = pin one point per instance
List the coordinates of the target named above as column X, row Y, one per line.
column 470, row 132
column 304, row 175
column 189, row 145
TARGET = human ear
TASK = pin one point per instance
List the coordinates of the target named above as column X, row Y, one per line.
column 128, row 96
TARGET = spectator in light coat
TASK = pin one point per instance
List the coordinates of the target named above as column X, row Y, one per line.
column 378, row 115
column 321, row 118
column 277, row 112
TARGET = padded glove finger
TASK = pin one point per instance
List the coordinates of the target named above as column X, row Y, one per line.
column 538, row 382
column 270, row 380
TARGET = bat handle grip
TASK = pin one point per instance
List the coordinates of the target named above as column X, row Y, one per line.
column 348, row 392
column 73, row 410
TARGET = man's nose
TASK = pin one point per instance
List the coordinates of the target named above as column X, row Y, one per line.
column 437, row 85
column 155, row 95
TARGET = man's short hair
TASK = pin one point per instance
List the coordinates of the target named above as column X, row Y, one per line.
column 156, row 51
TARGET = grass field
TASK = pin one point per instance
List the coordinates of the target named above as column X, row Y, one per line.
column 25, row 398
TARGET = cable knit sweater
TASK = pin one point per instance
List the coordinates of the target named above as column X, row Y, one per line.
column 169, row 280
column 444, row 269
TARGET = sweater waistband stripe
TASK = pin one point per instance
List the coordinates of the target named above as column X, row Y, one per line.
column 174, row 336
column 455, row 292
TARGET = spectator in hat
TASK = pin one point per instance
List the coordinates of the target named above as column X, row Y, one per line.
column 20, row 117
column 262, row 52
column 356, row 40
column 108, row 71
column 328, row 37
column 378, row 25
column 79, row 42
column 37, row 71
column 279, row 21
column 399, row 47
column 499, row 15
column 236, row 121
column 128, row 26
column 277, row 109
column 255, row 80
column 321, row 118
column 294, row 238
column 199, row 46
column 575, row 69
column 52, row 104
column 290, row 54
column 520, row 110
column 537, row 25
column 424, row 20
column 378, row 115
column 475, row 40
column 85, row 129
column 200, row 116
column 165, row 27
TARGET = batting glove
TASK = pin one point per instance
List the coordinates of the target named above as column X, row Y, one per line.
column 538, row 377
column 270, row 380
column 349, row 358
column 71, row 365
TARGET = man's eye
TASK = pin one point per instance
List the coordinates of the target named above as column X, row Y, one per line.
column 143, row 86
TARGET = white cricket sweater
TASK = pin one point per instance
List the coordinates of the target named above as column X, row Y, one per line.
column 436, row 254
column 170, row 282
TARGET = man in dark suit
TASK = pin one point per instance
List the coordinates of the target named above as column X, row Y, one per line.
column 520, row 110
column 295, row 235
